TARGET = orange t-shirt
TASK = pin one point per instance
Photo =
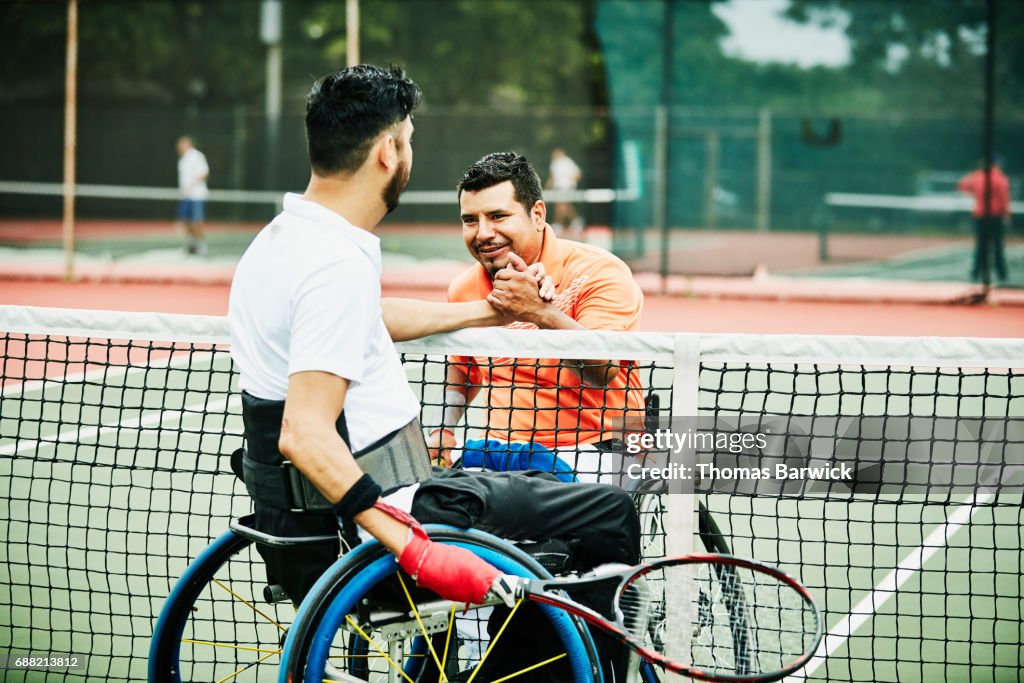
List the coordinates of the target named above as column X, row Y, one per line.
column 974, row 184
column 540, row 400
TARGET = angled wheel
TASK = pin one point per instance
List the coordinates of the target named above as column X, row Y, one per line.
column 365, row 620
column 216, row 624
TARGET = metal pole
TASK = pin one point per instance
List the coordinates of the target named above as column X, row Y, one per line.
column 764, row 169
column 273, row 112
column 662, row 210
column 659, row 189
column 238, row 139
column 987, row 153
column 712, row 149
column 70, row 138
column 352, row 32
column 270, row 34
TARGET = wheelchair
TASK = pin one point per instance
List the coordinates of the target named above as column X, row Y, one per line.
column 364, row 620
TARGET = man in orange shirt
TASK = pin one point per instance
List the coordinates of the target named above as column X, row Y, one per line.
column 575, row 408
column 991, row 217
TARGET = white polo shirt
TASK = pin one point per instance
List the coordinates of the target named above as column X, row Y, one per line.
column 306, row 296
column 192, row 171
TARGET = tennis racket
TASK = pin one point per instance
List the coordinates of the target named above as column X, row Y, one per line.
column 709, row 617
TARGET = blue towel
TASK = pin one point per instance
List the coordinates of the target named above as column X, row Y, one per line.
column 502, row 456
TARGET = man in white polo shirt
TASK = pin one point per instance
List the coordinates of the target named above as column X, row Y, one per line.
column 193, row 172
column 307, row 323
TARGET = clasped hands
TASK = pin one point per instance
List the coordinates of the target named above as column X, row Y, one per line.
column 520, row 291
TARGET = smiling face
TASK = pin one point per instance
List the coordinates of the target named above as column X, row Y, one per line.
column 494, row 224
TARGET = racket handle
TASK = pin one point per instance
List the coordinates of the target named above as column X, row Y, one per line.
column 507, row 588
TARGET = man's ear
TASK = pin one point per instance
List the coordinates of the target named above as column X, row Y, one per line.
column 539, row 214
column 385, row 152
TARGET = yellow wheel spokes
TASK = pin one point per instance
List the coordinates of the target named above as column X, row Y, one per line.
column 494, row 641
column 531, row 668
column 423, row 629
column 443, row 660
column 375, row 646
column 440, row 661
column 251, row 606
column 241, row 648
column 265, row 653
column 247, row 667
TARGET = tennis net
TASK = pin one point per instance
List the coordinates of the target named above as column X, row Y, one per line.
column 116, row 431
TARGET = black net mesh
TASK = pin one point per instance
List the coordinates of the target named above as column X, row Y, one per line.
column 115, row 456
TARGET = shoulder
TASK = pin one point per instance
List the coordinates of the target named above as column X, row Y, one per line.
column 305, row 247
column 598, row 261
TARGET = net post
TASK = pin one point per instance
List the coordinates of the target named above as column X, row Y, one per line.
column 681, row 508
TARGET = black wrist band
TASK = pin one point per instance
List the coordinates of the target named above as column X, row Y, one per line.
column 363, row 494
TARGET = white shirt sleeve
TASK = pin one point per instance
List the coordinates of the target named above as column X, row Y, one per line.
column 201, row 168
column 334, row 311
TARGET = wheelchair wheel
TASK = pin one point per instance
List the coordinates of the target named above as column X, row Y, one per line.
column 214, row 625
column 365, row 620
column 218, row 622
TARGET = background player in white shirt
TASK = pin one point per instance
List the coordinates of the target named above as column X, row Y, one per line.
column 564, row 174
column 193, row 172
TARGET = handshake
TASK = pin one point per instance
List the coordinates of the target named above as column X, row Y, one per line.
column 521, row 292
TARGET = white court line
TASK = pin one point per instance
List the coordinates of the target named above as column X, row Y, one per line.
column 145, row 420
column 13, row 390
column 886, row 589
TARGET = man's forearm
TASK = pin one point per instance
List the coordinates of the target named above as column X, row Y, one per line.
column 411, row 318
column 593, row 372
column 449, row 412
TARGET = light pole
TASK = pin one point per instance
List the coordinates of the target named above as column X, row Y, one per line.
column 270, row 34
column 352, row 32
column 70, row 138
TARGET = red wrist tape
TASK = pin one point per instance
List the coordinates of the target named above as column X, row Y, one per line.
column 453, row 573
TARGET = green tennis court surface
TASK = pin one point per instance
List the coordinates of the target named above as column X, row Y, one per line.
column 951, row 263
column 117, row 471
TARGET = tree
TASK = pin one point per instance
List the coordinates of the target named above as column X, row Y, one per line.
column 921, row 53
column 159, row 52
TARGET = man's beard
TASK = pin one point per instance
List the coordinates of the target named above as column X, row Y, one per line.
column 393, row 190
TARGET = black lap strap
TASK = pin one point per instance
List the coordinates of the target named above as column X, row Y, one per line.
column 397, row 460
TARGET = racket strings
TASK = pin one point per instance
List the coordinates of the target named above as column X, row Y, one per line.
column 723, row 619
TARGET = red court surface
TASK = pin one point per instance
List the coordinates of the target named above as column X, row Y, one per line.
column 661, row 313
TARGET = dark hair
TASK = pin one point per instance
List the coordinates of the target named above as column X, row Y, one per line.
column 498, row 167
column 347, row 110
